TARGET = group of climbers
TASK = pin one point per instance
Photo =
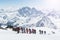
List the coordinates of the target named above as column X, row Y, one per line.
column 24, row 30
column 27, row 30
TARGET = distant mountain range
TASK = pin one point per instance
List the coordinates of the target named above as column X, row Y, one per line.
column 27, row 17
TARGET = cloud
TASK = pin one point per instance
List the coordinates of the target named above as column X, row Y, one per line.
column 52, row 4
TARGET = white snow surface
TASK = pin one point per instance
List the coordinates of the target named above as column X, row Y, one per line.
column 11, row 35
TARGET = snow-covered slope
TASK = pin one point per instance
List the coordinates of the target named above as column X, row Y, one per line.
column 11, row 35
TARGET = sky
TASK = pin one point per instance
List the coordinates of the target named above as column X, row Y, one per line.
column 38, row 4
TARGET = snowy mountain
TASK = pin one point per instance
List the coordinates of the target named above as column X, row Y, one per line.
column 45, row 22
column 55, row 14
column 8, row 16
column 27, row 17
column 30, row 12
